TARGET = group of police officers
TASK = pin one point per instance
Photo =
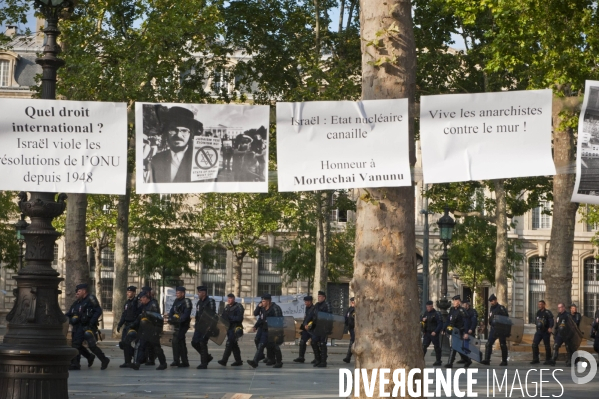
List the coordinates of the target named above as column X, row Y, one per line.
column 462, row 321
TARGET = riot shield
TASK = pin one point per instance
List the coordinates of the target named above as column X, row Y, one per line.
column 574, row 335
column 586, row 325
column 151, row 326
column 213, row 326
column 328, row 324
column 469, row 347
column 280, row 329
column 511, row 328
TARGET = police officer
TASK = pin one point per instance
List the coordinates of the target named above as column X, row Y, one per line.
column 495, row 310
column 180, row 317
column 148, row 339
column 561, row 333
column 595, row 332
column 233, row 312
column 200, row 340
column 473, row 317
column 458, row 320
column 576, row 317
column 319, row 342
column 432, row 325
column 83, row 316
column 270, row 357
column 305, row 335
column 128, row 317
column 268, row 309
column 544, row 326
column 150, row 356
column 350, row 322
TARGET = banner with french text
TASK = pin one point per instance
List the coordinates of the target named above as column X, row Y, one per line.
column 201, row 148
column 486, row 136
column 342, row 144
column 586, row 189
column 63, row 146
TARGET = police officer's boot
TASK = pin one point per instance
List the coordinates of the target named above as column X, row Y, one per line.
column 128, row 352
column 535, row 354
column 323, row 354
column 161, row 359
column 236, row 354
column 488, row 351
column 205, row 357
column 302, row 353
column 438, row 357
column 316, row 350
column 259, row 353
column 176, row 353
column 451, row 359
column 96, row 351
column 347, row 358
column 89, row 356
column 270, row 355
column 503, row 355
column 568, row 356
column 278, row 357
column 184, row 358
column 226, row 354
column 555, row 354
column 547, row 355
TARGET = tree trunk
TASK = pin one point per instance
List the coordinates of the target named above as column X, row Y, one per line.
column 385, row 278
column 98, row 274
column 501, row 247
column 76, row 266
column 320, row 269
column 558, row 268
column 341, row 15
column 121, row 257
column 237, row 274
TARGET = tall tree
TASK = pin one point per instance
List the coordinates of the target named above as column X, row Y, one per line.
column 385, row 266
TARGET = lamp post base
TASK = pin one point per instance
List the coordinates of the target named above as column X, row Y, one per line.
column 443, row 305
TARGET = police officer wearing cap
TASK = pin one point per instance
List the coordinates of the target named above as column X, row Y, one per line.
column 148, row 338
column 350, row 322
column 561, row 333
column 233, row 312
column 495, row 310
column 305, row 335
column 128, row 317
column 268, row 309
column 457, row 320
column 544, row 325
column 473, row 316
column 200, row 340
column 319, row 342
column 432, row 325
column 180, row 318
column 83, row 316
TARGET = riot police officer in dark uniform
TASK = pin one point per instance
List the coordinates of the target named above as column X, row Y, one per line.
column 128, row 317
column 268, row 309
column 350, row 322
column 319, row 342
column 473, row 317
column 269, row 359
column 83, row 316
column 561, row 333
column 200, row 340
column 305, row 335
column 432, row 325
column 233, row 312
column 458, row 320
column 180, row 317
column 544, row 326
column 574, row 315
column 495, row 310
column 150, row 356
column 150, row 314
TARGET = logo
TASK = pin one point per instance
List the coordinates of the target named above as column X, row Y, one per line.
column 586, row 363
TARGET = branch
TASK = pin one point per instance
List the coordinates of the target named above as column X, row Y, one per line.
column 478, row 214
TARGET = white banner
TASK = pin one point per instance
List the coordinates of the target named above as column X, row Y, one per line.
column 63, row 146
column 200, row 148
column 586, row 189
column 486, row 136
column 342, row 144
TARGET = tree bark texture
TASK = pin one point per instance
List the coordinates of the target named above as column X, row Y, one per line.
column 121, row 257
column 237, row 266
column 76, row 266
column 385, row 276
column 558, row 268
column 322, row 234
column 501, row 247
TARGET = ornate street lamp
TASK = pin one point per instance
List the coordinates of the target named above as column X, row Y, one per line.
column 20, row 226
column 34, row 356
column 446, row 225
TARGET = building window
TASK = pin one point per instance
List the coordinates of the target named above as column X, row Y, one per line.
column 221, row 81
column 214, row 275
column 536, row 285
column 4, row 73
column 541, row 220
column 591, row 286
column 269, row 278
column 107, row 259
column 270, row 288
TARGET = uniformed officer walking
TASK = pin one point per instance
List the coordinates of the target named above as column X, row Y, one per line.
column 268, row 309
column 83, row 316
column 544, row 326
column 432, row 325
column 305, row 335
column 319, row 341
column 129, row 335
column 150, row 356
column 233, row 312
column 200, row 340
column 561, row 333
column 574, row 315
column 180, row 317
column 473, row 322
column 149, row 332
column 495, row 310
column 350, row 322
column 457, row 320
